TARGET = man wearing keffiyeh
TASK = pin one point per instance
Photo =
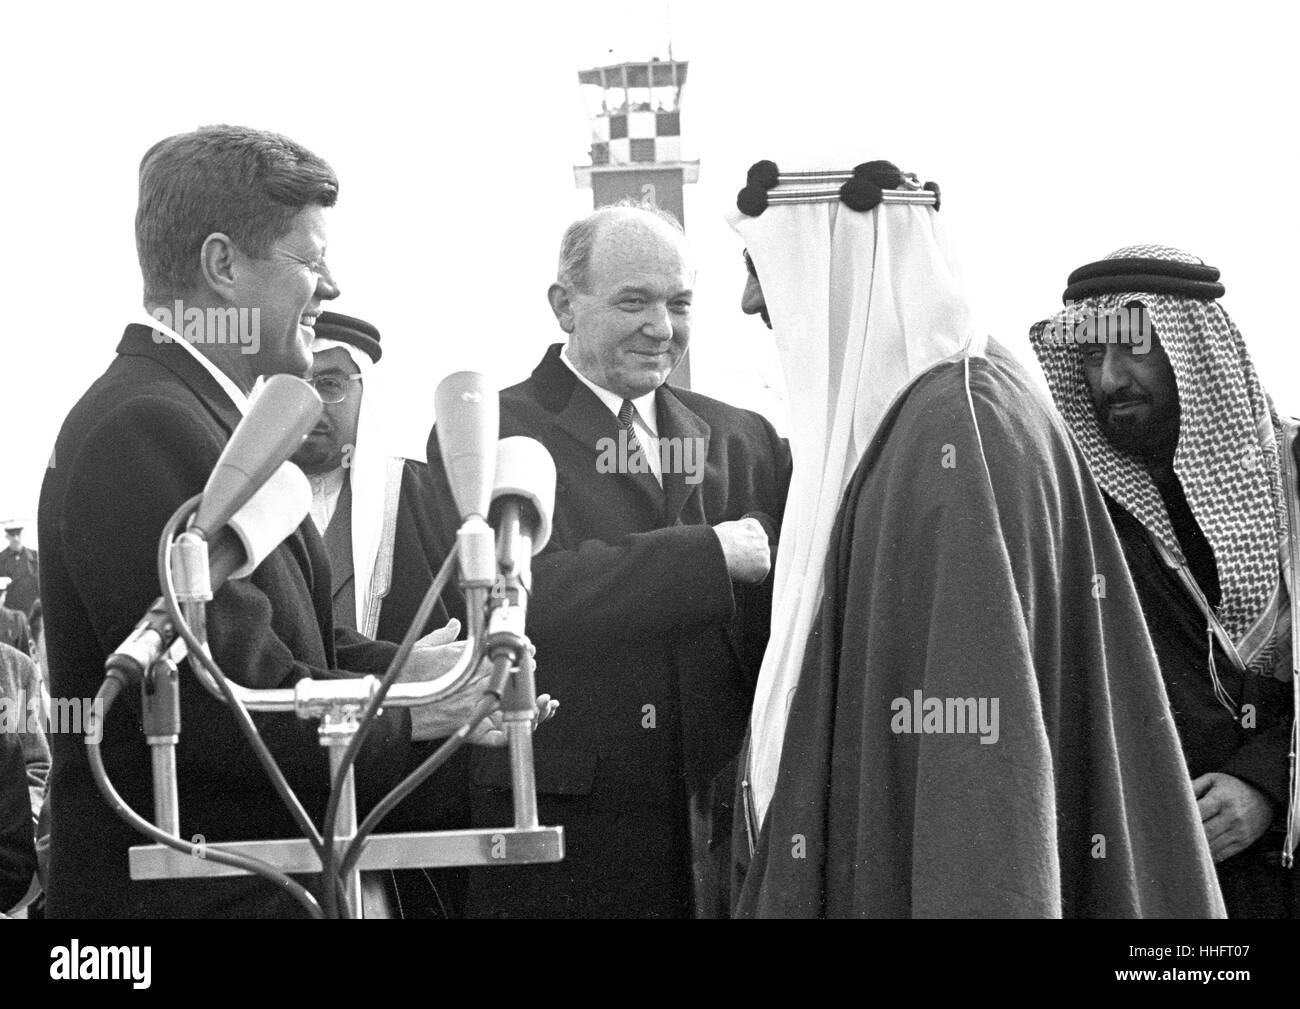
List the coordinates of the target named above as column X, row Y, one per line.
column 369, row 506
column 924, row 575
column 1197, row 467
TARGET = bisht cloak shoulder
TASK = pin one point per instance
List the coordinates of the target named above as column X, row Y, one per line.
column 980, row 727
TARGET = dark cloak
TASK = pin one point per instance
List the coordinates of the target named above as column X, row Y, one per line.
column 973, row 557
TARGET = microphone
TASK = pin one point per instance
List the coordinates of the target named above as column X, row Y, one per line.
column 262, row 524
column 277, row 508
column 523, row 501
column 280, row 417
column 468, row 423
column 468, row 415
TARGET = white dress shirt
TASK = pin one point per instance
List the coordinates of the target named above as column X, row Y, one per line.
column 325, row 491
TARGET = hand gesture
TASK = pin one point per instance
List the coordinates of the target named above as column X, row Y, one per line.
column 745, row 547
column 1233, row 813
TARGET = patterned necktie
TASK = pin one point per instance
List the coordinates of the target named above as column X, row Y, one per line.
column 625, row 414
column 635, row 450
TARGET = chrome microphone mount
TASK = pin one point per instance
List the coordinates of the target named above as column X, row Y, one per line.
column 495, row 578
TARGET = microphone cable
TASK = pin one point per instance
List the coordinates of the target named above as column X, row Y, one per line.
column 367, row 719
column 108, row 691
column 241, row 715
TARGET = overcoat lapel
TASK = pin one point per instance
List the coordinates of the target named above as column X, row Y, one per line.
column 688, row 440
column 587, row 420
column 138, row 341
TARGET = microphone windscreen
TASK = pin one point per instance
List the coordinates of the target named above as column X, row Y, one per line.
column 268, row 517
column 526, row 470
column 278, row 419
column 468, row 425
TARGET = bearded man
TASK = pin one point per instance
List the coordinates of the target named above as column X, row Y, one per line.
column 1199, row 476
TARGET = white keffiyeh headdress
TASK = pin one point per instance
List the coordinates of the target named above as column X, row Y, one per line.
column 864, row 296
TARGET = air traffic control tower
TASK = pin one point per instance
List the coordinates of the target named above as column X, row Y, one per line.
column 636, row 140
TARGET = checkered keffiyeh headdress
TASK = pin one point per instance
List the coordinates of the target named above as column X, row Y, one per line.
column 1227, row 455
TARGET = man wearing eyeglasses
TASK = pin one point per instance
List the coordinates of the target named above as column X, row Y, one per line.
column 343, row 346
column 382, row 548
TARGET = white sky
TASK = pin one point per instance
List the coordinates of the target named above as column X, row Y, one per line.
column 1057, row 134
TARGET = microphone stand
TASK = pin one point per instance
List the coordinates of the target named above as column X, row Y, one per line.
column 505, row 646
column 345, row 708
column 162, row 728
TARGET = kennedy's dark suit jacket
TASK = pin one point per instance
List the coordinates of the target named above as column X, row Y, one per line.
column 141, row 441
column 651, row 650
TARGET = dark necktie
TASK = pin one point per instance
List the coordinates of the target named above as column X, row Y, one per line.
column 626, row 413
column 625, row 421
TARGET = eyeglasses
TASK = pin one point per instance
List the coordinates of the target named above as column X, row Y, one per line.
column 332, row 388
column 749, row 264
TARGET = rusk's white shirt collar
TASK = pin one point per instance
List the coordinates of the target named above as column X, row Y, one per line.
column 645, row 405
